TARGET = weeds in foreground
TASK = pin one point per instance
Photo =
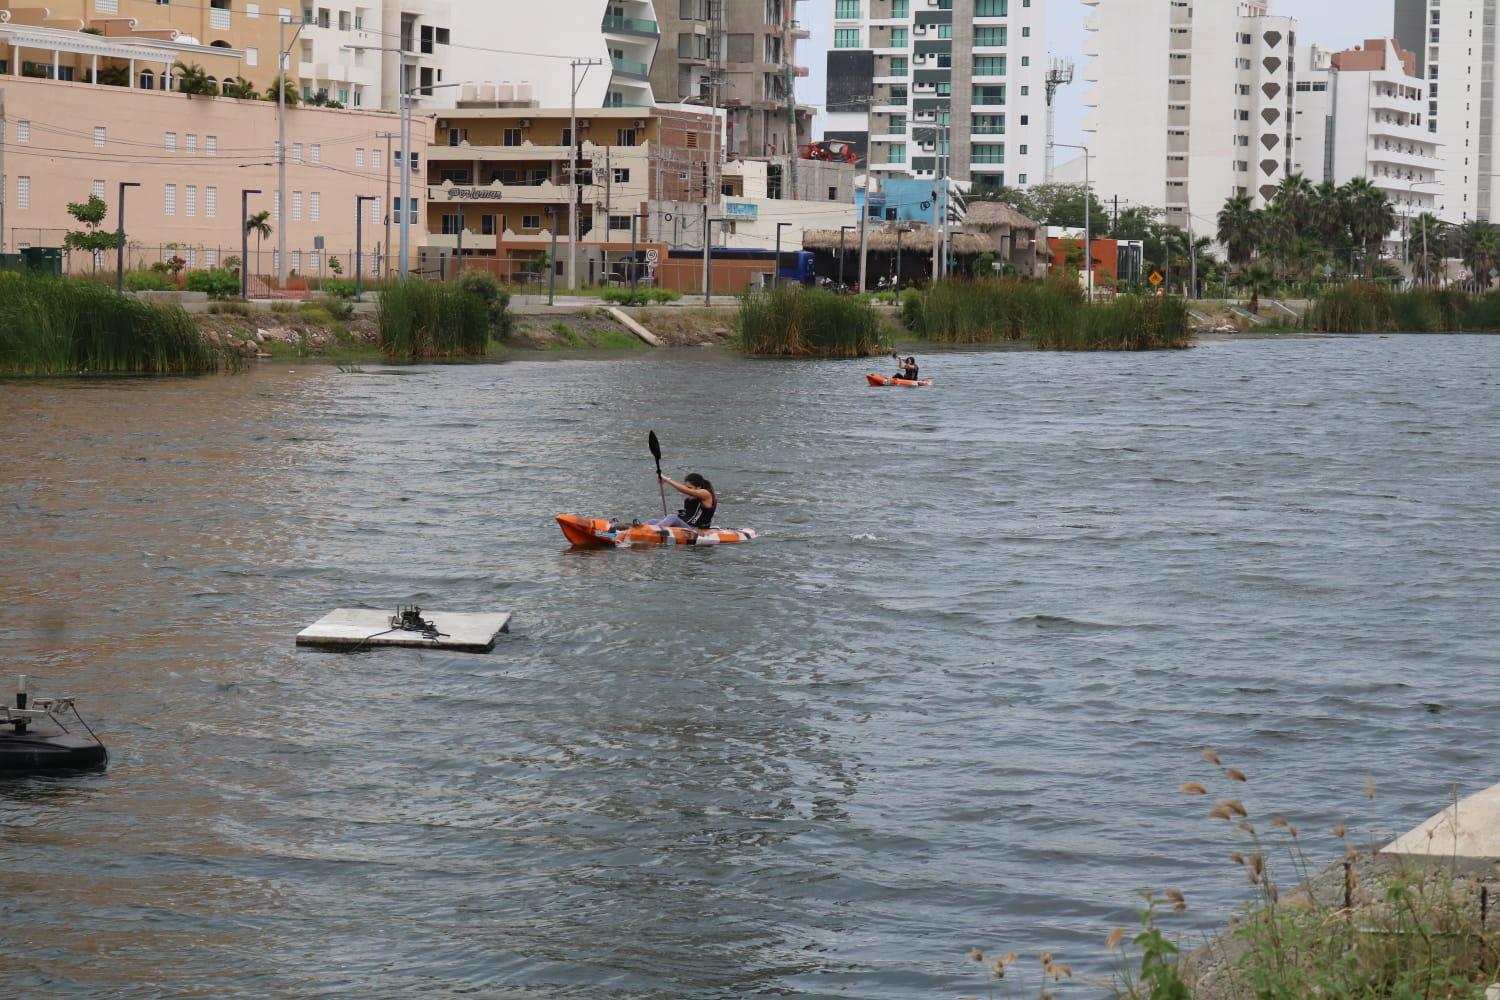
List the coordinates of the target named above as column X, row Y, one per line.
column 427, row 320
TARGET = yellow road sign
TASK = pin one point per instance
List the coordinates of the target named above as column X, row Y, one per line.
column 1155, row 279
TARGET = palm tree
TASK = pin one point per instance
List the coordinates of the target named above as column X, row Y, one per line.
column 1295, row 194
column 260, row 225
column 1477, row 245
column 1258, row 279
column 1426, row 240
column 1239, row 229
column 241, row 89
column 1370, row 215
column 193, row 79
column 274, row 88
column 1325, row 215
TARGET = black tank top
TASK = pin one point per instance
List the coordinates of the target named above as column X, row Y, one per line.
column 695, row 513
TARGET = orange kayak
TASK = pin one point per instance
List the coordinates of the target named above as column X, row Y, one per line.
column 926, row 383
column 596, row 531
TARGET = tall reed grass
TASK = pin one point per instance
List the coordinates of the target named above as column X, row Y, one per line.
column 430, row 321
column 1361, row 307
column 1051, row 314
column 52, row 326
column 808, row 322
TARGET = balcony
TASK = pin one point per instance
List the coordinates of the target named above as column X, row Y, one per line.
column 545, row 193
column 631, row 68
column 472, row 241
column 218, row 19
column 631, row 25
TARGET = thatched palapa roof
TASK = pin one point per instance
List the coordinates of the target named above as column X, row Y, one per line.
column 992, row 215
column 882, row 239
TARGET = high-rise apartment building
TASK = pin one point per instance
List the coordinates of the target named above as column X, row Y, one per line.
column 1363, row 113
column 935, row 87
column 512, row 56
column 738, row 55
column 1189, row 101
column 1455, row 54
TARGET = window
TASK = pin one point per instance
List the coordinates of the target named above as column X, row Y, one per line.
column 252, row 57
column 416, row 162
column 452, row 223
column 375, row 158
column 624, row 137
column 23, row 131
column 531, row 222
column 169, row 141
column 991, row 94
column 359, row 157
column 900, row 66
column 487, row 225
column 989, row 125
column 900, row 38
column 512, row 137
column 411, row 210
column 296, row 206
column 211, row 145
column 846, row 10
column 297, row 261
column 315, row 205
column 23, row 192
column 622, row 175
column 316, row 152
column 988, row 153
column 1025, row 32
column 898, row 124
column 1024, row 149
column 375, row 210
column 169, row 200
column 989, row 65
column 991, row 36
column 297, row 152
column 846, row 38
column 190, row 201
column 619, row 223
column 192, row 143
column 211, row 202
column 898, row 152
column 901, row 8
column 210, row 258
column 97, row 190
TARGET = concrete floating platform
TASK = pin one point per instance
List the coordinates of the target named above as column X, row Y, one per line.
column 363, row 628
column 1470, row 829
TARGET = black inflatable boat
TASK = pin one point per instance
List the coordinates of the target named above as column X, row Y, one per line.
column 34, row 736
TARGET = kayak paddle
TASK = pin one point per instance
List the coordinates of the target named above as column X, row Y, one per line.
column 656, row 454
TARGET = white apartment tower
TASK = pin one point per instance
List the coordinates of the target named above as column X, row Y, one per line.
column 323, row 58
column 1189, row 102
column 1363, row 113
column 929, row 86
column 1455, row 53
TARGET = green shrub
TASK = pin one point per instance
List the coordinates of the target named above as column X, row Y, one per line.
column 338, row 288
column 150, row 281
column 334, row 306
column 485, row 287
column 643, row 296
column 425, row 320
column 1128, row 323
column 808, row 322
column 981, row 312
column 52, row 326
column 911, row 310
column 1353, row 307
column 217, row 282
column 230, row 309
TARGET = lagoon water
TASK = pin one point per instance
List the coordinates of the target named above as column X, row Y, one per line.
column 945, row 701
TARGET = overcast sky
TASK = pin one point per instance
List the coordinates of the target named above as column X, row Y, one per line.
column 1329, row 23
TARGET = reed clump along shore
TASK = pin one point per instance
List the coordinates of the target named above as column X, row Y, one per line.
column 1364, row 926
column 808, row 323
column 1052, row 315
column 432, row 321
column 1362, row 307
column 57, row 326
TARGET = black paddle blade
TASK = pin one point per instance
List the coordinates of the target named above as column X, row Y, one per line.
column 655, row 447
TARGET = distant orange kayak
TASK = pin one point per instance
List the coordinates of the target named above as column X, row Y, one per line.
column 926, row 383
column 596, row 531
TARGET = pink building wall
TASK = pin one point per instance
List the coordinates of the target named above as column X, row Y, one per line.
column 191, row 196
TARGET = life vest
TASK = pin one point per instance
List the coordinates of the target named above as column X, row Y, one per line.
column 695, row 513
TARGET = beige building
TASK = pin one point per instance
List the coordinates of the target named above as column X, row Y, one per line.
column 192, row 157
column 499, row 184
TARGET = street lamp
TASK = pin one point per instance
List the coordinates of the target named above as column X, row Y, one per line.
column 387, row 136
column 1088, row 232
column 359, row 241
column 634, row 267
column 842, row 230
column 1411, row 191
column 776, row 275
column 245, row 194
column 120, row 241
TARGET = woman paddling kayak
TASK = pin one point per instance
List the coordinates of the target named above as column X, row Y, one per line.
column 697, row 510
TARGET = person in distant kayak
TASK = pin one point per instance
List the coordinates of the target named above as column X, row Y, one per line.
column 697, row 510
column 909, row 369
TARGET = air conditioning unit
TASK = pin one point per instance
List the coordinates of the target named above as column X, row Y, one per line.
column 526, row 123
column 584, row 123
column 639, row 123
column 442, row 124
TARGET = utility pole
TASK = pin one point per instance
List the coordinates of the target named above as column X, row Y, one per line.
column 359, row 242
column 387, row 136
column 120, row 240
column 575, row 152
column 281, row 214
column 788, row 7
column 4, row 187
column 244, row 241
column 1059, row 75
column 864, row 219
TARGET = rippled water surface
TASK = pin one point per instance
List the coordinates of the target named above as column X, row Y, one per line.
column 944, row 701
